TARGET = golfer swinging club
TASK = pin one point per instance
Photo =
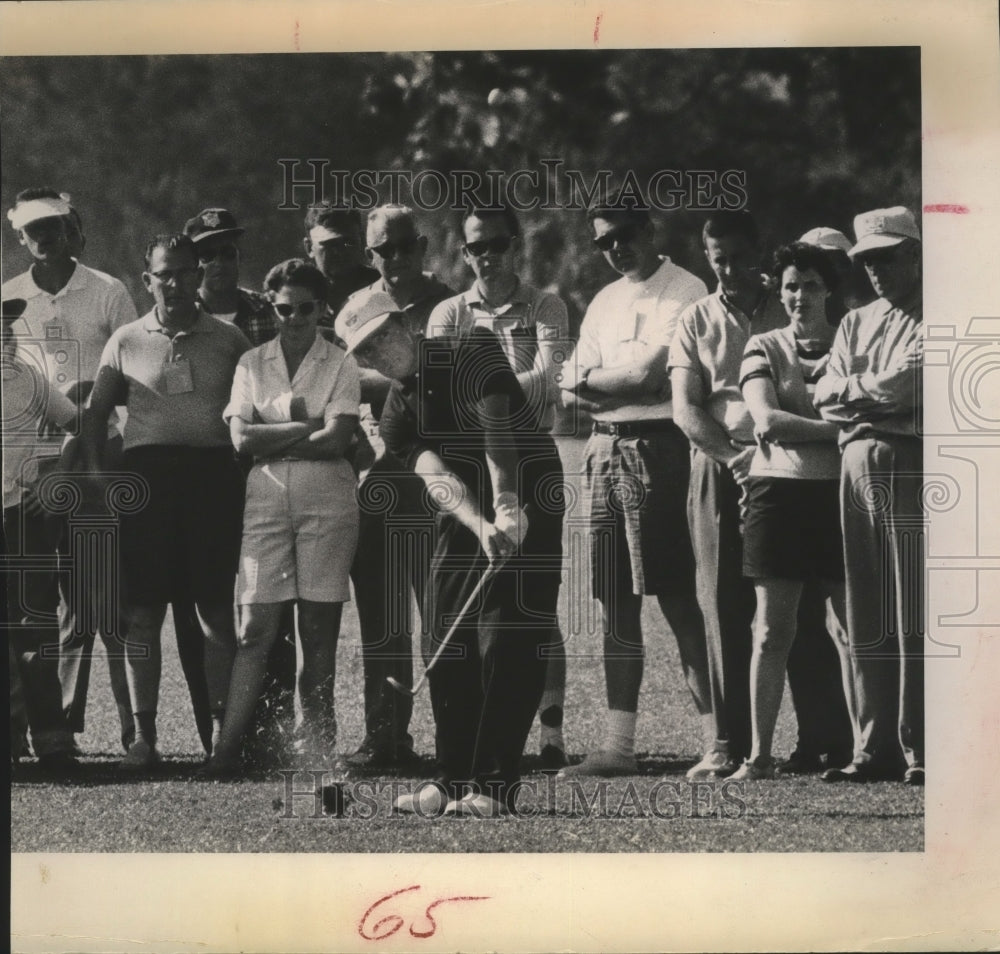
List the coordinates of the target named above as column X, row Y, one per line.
column 457, row 417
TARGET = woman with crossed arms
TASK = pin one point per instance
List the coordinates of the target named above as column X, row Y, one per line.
column 792, row 529
column 294, row 407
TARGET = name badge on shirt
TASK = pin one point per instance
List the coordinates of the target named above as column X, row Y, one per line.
column 859, row 363
column 638, row 327
column 177, row 375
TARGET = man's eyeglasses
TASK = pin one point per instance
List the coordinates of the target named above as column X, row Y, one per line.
column 389, row 249
column 303, row 308
column 497, row 246
column 622, row 235
column 225, row 253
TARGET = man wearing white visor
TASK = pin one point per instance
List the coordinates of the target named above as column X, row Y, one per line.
column 71, row 312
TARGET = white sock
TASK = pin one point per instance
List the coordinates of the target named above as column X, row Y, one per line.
column 620, row 737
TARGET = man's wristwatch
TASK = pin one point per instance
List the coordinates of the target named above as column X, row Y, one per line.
column 584, row 378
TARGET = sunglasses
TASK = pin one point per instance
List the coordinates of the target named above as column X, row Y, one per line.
column 497, row 246
column 226, row 253
column 622, row 236
column 303, row 308
column 389, row 249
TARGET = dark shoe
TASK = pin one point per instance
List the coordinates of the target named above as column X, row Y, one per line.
column 553, row 758
column 803, row 763
column 219, row 769
column 857, row 772
column 59, row 764
column 379, row 759
column 141, row 757
column 914, row 776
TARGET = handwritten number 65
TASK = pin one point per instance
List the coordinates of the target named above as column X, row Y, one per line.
column 391, row 923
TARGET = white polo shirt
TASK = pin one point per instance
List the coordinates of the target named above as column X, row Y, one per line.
column 72, row 326
column 65, row 333
column 28, row 398
column 626, row 321
column 327, row 379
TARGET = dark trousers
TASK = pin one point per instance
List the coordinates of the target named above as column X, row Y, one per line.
column 32, row 628
column 816, row 685
column 392, row 561
column 90, row 597
column 486, row 689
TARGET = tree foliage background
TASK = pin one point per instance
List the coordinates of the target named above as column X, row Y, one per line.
column 142, row 143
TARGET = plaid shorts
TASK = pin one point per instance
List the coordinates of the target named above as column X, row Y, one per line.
column 636, row 496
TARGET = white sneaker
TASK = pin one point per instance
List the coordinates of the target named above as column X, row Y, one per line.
column 714, row 764
column 429, row 799
column 602, row 762
column 476, row 805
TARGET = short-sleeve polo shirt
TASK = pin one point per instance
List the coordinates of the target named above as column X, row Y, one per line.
column 527, row 317
column 711, row 338
column 140, row 354
column 327, row 380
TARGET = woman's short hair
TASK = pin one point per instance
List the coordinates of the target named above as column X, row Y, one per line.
column 296, row 271
column 805, row 258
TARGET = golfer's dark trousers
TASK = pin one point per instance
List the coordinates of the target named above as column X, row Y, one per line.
column 32, row 630
column 486, row 687
column 393, row 558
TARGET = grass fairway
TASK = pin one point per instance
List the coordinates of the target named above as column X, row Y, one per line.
column 652, row 812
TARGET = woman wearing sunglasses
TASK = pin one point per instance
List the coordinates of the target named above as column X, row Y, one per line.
column 294, row 407
column 792, row 528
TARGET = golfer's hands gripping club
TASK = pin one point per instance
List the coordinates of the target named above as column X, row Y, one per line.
column 501, row 538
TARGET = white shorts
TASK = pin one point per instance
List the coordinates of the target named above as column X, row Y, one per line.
column 300, row 531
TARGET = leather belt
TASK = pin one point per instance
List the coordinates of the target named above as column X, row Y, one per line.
column 633, row 428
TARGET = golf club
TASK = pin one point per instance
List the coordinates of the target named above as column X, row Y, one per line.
column 463, row 612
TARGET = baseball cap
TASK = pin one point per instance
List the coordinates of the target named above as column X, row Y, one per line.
column 13, row 308
column 823, row 237
column 883, row 228
column 24, row 213
column 212, row 223
column 362, row 316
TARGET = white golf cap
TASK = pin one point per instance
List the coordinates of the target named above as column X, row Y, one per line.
column 362, row 316
column 827, row 238
column 883, row 228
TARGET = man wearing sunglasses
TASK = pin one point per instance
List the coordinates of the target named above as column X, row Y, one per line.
column 457, row 419
column 216, row 236
column 637, row 467
column 532, row 327
column 396, row 249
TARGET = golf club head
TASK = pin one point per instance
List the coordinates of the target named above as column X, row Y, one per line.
column 399, row 687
